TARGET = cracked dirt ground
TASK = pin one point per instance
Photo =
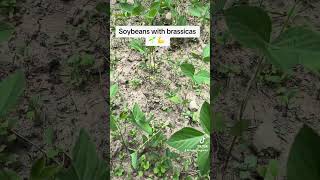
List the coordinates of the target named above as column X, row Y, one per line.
column 46, row 34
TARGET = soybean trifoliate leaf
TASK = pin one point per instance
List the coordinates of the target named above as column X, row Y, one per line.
column 201, row 77
column 304, row 159
column 10, row 89
column 126, row 7
column 205, row 117
column 185, row 139
column 297, row 45
column 251, row 26
column 187, row 69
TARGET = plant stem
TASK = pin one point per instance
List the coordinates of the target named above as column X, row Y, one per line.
column 241, row 111
column 148, row 140
column 32, row 144
column 121, row 135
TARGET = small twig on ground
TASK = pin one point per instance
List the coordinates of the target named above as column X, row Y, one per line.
column 32, row 144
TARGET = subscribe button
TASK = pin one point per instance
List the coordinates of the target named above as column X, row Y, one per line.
column 157, row 35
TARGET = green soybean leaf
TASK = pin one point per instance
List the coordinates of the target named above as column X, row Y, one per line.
column 187, row 69
column 140, row 119
column 11, row 89
column 85, row 161
column 203, row 161
column 205, row 118
column 113, row 90
column 5, row 31
column 39, row 171
column 201, row 77
column 134, row 159
column 195, row 11
column 251, row 26
column 206, row 53
column 126, row 7
column 7, row 174
column 304, row 159
column 185, row 139
column 137, row 10
column 152, row 13
column 272, row 170
column 297, row 45
column 138, row 45
column 113, row 125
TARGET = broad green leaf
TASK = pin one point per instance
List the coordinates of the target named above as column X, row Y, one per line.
column 203, row 160
column 185, row 139
column 205, row 118
column 140, row 119
column 85, row 161
column 5, row 31
column 199, row 10
column 11, row 89
column 251, row 26
column 138, row 115
column 113, row 125
column 40, row 171
column 113, row 90
column 195, row 11
column 201, row 77
column 134, row 159
column 304, row 160
column 126, row 7
column 206, row 53
column 187, row 69
column 138, row 45
column 137, row 10
column 7, row 174
column 240, row 127
column 297, row 45
column 152, row 13
column 181, row 21
column 272, row 170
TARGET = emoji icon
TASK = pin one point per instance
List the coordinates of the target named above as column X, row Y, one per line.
column 152, row 38
column 160, row 40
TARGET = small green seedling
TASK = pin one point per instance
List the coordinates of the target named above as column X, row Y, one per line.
column 201, row 77
column 35, row 110
column 81, row 65
column 200, row 10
